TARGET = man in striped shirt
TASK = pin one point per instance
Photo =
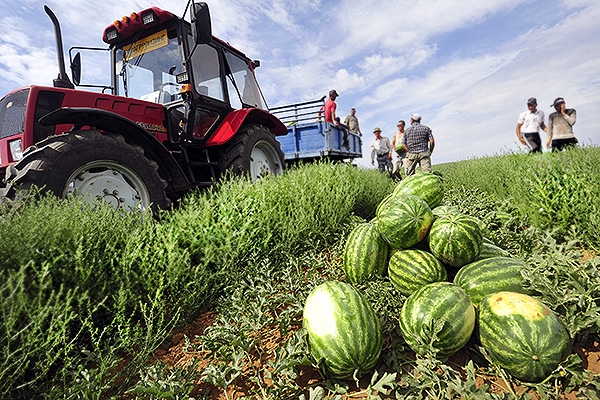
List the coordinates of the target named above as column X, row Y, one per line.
column 418, row 143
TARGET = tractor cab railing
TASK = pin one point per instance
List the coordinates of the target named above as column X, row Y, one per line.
column 292, row 114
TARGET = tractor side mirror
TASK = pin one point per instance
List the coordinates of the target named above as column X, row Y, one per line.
column 201, row 25
column 76, row 69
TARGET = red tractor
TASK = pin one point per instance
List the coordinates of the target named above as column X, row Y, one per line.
column 183, row 108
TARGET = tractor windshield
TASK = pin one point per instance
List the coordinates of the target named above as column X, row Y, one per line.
column 146, row 68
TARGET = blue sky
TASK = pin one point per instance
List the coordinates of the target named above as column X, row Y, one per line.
column 467, row 67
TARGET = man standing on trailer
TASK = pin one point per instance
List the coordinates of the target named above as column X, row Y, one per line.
column 330, row 107
column 352, row 122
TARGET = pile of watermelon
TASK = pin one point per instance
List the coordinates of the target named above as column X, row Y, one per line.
column 458, row 285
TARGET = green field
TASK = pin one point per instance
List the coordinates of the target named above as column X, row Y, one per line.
column 89, row 294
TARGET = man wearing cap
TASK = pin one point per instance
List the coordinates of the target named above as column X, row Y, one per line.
column 528, row 126
column 352, row 121
column 330, row 107
column 418, row 142
column 560, row 126
column 382, row 149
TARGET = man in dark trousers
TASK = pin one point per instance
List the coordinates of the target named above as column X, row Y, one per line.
column 381, row 148
column 418, row 142
column 528, row 126
column 560, row 126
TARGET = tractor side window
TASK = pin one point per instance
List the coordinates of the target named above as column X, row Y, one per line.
column 207, row 72
column 241, row 83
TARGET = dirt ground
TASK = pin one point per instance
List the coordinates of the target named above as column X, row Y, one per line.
column 173, row 354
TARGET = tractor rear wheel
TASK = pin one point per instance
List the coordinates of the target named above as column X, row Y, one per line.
column 95, row 165
column 253, row 151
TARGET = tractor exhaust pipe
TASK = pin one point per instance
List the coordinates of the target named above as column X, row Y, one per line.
column 62, row 80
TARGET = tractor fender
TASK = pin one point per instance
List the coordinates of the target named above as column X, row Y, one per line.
column 235, row 119
column 106, row 121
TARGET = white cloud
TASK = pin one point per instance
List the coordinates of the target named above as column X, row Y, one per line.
column 466, row 67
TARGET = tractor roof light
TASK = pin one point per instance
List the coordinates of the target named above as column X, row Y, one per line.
column 111, row 34
column 149, row 18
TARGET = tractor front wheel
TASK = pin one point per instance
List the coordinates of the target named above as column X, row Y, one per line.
column 94, row 165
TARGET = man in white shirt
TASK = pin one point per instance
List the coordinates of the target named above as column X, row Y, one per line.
column 528, row 126
column 381, row 148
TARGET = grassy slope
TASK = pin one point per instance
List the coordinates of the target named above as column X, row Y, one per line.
column 80, row 295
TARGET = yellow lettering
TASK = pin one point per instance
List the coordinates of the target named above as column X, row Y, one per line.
column 146, row 45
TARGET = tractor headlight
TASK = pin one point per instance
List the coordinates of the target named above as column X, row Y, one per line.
column 16, row 149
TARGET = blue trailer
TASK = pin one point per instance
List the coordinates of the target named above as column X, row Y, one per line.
column 310, row 138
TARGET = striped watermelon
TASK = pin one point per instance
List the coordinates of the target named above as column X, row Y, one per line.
column 455, row 239
column 491, row 275
column 404, row 221
column 522, row 335
column 437, row 303
column 411, row 269
column 443, row 210
column 426, row 186
column 383, row 204
column 489, row 250
column 344, row 334
column 365, row 253
column 483, row 227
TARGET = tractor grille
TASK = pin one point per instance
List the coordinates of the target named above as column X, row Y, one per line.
column 12, row 113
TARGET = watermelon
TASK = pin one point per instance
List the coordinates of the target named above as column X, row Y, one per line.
column 439, row 302
column 425, row 185
column 404, row 221
column 365, row 254
column 489, row 250
column 491, row 275
column 483, row 227
column 522, row 335
column 488, row 240
column 411, row 269
column 344, row 333
column 443, row 210
column 455, row 239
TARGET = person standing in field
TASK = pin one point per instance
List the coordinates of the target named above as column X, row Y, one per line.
column 330, row 107
column 381, row 148
column 560, row 126
column 352, row 122
column 397, row 145
column 418, row 143
column 528, row 126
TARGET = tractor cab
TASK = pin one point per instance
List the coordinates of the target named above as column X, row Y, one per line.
column 160, row 58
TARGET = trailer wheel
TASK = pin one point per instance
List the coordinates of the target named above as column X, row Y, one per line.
column 253, row 151
column 95, row 165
